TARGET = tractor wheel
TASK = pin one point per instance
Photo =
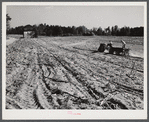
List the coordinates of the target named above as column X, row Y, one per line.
column 102, row 47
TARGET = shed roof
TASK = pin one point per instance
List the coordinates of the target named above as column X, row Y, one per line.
column 28, row 28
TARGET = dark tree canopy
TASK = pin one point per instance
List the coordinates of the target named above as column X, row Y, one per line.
column 56, row 30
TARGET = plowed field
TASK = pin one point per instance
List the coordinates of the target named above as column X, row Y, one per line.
column 69, row 73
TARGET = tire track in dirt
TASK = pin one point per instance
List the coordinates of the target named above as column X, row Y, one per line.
column 95, row 91
column 66, row 67
column 89, row 89
column 104, row 74
column 129, row 59
column 107, row 61
column 54, row 82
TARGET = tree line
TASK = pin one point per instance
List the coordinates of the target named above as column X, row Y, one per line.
column 56, row 30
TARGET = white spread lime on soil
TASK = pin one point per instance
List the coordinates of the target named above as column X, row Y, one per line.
column 136, row 54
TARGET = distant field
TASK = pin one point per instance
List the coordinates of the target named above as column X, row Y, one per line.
column 127, row 39
column 93, row 42
column 15, row 36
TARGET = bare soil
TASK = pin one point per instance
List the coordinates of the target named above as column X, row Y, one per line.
column 69, row 73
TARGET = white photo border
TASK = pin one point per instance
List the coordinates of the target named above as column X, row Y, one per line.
column 64, row 114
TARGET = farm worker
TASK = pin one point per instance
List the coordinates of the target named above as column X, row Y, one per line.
column 123, row 44
column 110, row 45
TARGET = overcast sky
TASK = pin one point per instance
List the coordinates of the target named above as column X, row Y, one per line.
column 89, row 16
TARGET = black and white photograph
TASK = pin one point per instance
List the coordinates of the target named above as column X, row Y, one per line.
column 74, row 60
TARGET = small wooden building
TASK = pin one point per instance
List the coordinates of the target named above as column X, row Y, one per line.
column 29, row 32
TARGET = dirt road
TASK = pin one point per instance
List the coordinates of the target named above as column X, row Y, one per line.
column 47, row 73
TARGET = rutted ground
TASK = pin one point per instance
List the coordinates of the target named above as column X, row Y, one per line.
column 52, row 74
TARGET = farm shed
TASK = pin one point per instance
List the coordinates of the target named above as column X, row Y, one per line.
column 29, row 32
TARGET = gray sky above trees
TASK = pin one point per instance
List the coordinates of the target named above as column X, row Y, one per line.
column 89, row 16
